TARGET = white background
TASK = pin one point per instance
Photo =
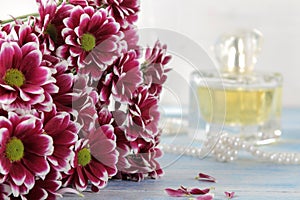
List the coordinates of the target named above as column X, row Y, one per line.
column 204, row 20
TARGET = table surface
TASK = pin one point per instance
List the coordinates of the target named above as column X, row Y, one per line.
column 248, row 177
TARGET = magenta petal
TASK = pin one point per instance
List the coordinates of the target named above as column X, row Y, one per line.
column 6, row 57
column 82, row 179
column 5, row 165
column 32, row 89
column 29, row 181
column 175, row 193
column 25, row 126
column 98, row 170
column 31, row 60
column 205, row 177
column 36, row 164
column 205, row 197
column 61, row 121
column 42, row 148
column 7, row 97
column 229, row 195
column 17, row 174
column 199, row 191
column 24, row 96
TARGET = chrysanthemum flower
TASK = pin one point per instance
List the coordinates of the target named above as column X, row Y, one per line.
column 95, row 160
column 120, row 79
column 64, row 81
column 143, row 115
column 154, row 67
column 137, row 159
column 22, row 75
column 64, row 138
column 23, row 151
column 84, row 103
column 92, row 40
column 46, row 188
column 124, row 11
column 50, row 23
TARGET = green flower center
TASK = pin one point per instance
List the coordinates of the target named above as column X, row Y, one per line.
column 14, row 150
column 84, row 157
column 14, row 77
column 88, row 42
column 52, row 32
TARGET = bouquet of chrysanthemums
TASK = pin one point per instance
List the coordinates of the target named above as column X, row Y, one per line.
column 78, row 99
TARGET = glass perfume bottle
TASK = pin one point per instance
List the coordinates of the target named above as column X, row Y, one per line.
column 236, row 98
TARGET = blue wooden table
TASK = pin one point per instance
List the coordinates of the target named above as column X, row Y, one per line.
column 249, row 178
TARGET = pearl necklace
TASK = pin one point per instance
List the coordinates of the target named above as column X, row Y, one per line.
column 227, row 147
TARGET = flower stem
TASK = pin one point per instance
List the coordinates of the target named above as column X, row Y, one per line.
column 19, row 17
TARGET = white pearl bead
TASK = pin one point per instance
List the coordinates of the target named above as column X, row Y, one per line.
column 265, row 155
column 273, row 157
column 279, row 160
column 287, row 160
column 257, row 153
column 296, row 160
column 231, row 158
column 252, row 149
column 174, row 149
column 244, row 146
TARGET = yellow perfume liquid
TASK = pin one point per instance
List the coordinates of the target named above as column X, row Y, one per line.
column 243, row 107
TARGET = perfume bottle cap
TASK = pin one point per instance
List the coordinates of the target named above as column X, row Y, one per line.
column 237, row 52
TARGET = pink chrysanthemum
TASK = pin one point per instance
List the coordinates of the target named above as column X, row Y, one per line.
column 22, row 75
column 84, row 104
column 46, row 188
column 120, row 79
column 92, row 40
column 137, row 159
column 143, row 115
column 64, row 81
column 64, row 138
column 124, row 11
column 23, row 151
column 95, row 160
column 50, row 23
column 154, row 67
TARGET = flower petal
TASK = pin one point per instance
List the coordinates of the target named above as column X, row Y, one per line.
column 43, row 147
column 17, row 173
column 176, row 193
column 5, row 165
column 36, row 164
column 229, row 195
column 205, row 177
column 199, row 191
column 6, row 57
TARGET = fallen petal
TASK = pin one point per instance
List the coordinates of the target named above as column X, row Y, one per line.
column 205, row 177
column 229, row 195
column 176, row 193
column 196, row 191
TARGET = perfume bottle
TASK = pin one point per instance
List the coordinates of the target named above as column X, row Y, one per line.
column 236, row 98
